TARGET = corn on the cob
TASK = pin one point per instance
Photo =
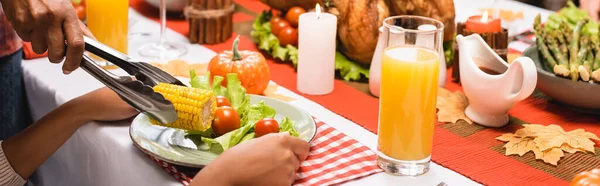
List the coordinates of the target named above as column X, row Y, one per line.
column 195, row 107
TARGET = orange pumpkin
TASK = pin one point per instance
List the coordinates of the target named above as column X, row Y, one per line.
column 251, row 68
column 587, row 178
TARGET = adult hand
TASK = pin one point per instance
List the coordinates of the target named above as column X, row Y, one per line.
column 48, row 25
column 103, row 105
column 592, row 7
column 272, row 159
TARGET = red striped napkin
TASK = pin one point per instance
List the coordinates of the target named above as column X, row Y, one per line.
column 334, row 158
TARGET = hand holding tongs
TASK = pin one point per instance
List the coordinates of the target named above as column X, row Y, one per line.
column 136, row 89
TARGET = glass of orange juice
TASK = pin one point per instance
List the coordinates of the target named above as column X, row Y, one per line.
column 409, row 83
column 108, row 20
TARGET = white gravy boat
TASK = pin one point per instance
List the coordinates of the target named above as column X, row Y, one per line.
column 492, row 95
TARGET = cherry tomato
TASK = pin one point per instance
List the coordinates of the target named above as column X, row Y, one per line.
column 222, row 101
column 266, row 126
column 288, row 36
column 275, row 20
column 80, row 9
column 276, row 28
column 226, row 120
column 293, row 15
column 587, row 178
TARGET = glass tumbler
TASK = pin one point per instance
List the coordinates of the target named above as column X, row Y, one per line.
column 108, row 20
column 410, row 65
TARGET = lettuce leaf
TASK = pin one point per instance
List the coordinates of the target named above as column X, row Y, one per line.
column 257, row 112
column 213, row 145
column 293, row 55
column 569, row 14
column 287, row 125
column 217, row 88
column 247, row 137
column 280, row 53
column 202, row 82
column 228, row 140
column 207, row 133
column 240, row 101
column 236, row 94
column 572, row 13
column 348, row 69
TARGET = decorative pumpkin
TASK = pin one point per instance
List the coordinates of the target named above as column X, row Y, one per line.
column 587, row 178
column 251, row 68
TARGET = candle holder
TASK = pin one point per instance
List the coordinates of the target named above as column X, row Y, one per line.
column 210, row 21
column 498, row 41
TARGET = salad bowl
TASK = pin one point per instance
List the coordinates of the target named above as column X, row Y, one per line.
column 155, row 140
column 580, row 96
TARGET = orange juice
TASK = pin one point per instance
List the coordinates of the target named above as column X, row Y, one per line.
column 409, row 80
column 108, row 20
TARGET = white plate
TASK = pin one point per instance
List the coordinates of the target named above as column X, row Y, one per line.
column 154, row 140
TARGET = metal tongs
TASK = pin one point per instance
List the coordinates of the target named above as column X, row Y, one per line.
column 136, row 89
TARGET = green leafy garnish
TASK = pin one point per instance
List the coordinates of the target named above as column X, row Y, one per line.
column 229, row 139
column 349, row 70
column 267, row 41
column 287, row 125
column 236, row 94
column 248, row 137
column 217, row 88
column 569, row 14
column 257, row 112
column 293, row 53
column 207, row 133
column 240, row 101
column 201, row 82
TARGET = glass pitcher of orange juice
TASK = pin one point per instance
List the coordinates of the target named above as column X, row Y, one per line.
column 108, row 20
column 408, row 94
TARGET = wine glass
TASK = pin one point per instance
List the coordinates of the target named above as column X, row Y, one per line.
column 163, row 49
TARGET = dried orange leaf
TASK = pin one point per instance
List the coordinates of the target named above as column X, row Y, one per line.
column 519, row 146
column 548, row 143
column 505, row 137
column 529, row 130
column 554, row 136
column 570, row 149
column 452, row 106
column 583, row 133
column 551, row 156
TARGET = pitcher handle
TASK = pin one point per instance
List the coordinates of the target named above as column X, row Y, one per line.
column 527, row 68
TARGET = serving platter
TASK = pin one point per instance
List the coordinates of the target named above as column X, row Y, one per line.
column 579, row 96
column 155, row 140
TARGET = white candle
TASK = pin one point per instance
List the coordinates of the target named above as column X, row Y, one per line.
column 316, row 52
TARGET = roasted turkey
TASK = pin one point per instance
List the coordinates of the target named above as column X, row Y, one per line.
column 359, row 20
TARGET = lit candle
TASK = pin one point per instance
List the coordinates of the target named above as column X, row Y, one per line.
column 484, row 23
column 316, row 52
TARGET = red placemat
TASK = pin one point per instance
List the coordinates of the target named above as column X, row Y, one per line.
column 470, row 150
column 334, row 158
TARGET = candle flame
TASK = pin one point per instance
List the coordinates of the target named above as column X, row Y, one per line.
column 484, row 17
column 318, row 10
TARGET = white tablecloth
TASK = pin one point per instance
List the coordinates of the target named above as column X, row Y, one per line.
column 102, row 154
